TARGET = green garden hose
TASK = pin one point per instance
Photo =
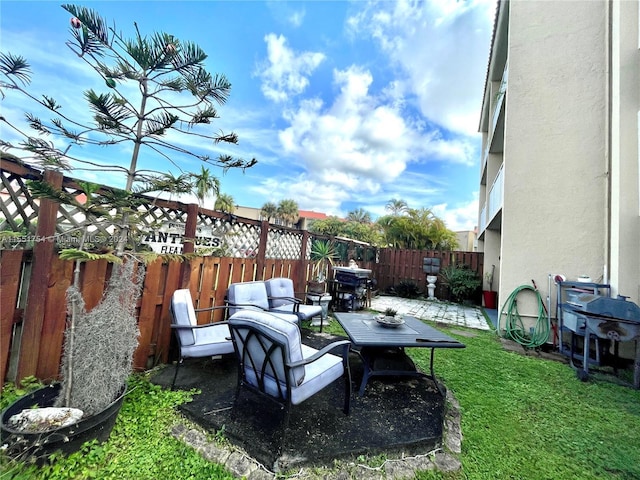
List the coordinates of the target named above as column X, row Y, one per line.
column 514, row 327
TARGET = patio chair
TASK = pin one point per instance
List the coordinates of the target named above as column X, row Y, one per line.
column 282, row 299
column 253, row 296
column 275, row 363
column 195, row 340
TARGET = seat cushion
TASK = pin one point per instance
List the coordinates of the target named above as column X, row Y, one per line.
column 247, row 293
column 318, row 375
column 211, row 340
column 279, row 287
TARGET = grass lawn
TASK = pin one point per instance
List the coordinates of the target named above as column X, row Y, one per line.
column 528, row 418
column 522, row 418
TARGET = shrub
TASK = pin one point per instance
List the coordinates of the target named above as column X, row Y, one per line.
column 407, row 289
column 461, row 280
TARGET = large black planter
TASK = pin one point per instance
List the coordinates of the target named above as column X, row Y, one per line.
column 38, row 446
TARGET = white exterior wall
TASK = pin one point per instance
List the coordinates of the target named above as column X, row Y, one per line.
column 554, row 154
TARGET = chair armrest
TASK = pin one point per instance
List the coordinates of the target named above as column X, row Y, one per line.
column 345, row 344
column 296, row 303
column 193, row 327
column 257, row 307
column 219, row 307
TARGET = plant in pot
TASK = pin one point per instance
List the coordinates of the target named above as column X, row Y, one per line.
column 323, row 254
column 174, row 92
column 489, row 296
column 390, row 313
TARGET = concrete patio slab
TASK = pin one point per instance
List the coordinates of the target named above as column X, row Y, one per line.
column 433, row 311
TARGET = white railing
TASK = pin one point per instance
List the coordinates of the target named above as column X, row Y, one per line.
column 482, row 221
column 496, row 195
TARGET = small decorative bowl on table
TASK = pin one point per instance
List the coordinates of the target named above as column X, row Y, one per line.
column 390, row 322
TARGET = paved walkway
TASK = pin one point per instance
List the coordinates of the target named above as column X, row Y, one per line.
column 433, row 310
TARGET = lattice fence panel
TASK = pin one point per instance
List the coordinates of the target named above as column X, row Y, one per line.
column 283, row 244
column 241, row 239
column 19, row 208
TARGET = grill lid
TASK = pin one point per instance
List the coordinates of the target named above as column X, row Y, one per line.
column 607, row 307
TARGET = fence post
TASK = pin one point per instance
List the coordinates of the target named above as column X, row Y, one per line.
column 262, row 249
column 302, row 273
column 189, row 243
column 33, row 322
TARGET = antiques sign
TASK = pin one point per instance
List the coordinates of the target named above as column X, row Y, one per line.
column 169, row 238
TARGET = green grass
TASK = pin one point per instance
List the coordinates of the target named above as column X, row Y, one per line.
column 140, row 445
column 525, row 417
column 529, row 418
column 522, row 418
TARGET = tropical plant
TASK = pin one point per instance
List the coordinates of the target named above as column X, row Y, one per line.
column 268, row 211
column 390, row 312
column 174, row 93
column 461, row 281
column 225, row 203
column 288, row 212
column 359, row 215
column 397, row 206
column 418, row 229
column 323, row 254
column 205, row 184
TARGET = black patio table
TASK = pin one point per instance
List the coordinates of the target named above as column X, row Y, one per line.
column 382, row 347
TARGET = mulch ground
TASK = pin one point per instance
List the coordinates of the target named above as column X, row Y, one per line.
column 394, row 415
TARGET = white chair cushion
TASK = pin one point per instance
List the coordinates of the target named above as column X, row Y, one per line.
column 247, row 293
column 279, row 287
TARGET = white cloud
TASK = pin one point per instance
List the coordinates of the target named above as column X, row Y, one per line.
column 296, row 18
column 442, row 46
column 285, row 73
column 460, row 217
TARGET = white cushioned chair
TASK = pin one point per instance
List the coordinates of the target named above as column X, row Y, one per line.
column 275, row 363
column 195, row 340
column 282, row 299
column 253, row 296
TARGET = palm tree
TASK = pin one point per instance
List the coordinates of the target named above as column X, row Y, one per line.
column 359, row 215
column 225, row 203
column 205, row 184
column 269, row 210
column 397, row 206
column 288, row 211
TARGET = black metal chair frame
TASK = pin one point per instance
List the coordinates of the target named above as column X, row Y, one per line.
column 274, row 349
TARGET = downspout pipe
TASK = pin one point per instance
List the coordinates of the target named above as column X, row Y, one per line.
column 608, row 141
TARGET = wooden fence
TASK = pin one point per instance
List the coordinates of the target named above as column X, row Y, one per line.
column 34, row 281
column 395, row 265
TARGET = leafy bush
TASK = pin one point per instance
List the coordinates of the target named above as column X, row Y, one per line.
column 461, row 280
column 407, row 289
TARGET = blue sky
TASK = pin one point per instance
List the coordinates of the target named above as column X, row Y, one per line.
column 345, row 105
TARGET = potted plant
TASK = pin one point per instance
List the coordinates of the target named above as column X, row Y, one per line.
column 174, row 92
column 390, row 313
column 323, row 254
column 489, row 296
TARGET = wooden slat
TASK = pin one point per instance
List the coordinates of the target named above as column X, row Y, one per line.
column 163, row 327
column 10, row 270
column 55, row 319
column 94, row 276
column 42, row 257
column 146, row 319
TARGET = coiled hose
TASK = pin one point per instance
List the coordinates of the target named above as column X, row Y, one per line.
column 514, row 327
